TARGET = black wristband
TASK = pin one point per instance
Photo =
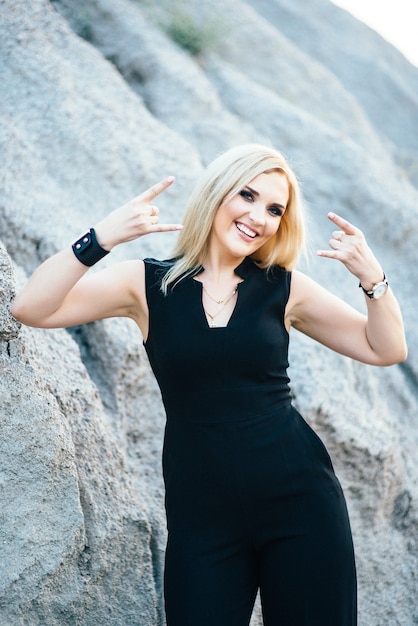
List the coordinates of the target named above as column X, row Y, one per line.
column 88, row 250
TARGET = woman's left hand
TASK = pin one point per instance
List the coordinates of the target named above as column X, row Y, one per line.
column 349, row 245
column 377, row 338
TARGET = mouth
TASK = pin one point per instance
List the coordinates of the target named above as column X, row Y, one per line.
column 246, row 230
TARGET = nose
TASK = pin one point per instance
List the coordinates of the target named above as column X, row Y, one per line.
column 257, row 214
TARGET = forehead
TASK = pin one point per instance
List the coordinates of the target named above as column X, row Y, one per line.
column 273, row 183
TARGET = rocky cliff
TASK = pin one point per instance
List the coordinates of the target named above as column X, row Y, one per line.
column 100, row 100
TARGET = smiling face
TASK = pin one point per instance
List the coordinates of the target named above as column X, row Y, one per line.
column 250, row 218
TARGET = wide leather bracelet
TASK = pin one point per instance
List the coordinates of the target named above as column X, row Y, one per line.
column 88, row 250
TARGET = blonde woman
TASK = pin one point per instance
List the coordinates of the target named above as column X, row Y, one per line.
column 252, row 500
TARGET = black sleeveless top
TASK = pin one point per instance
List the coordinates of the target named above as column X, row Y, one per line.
column 226, row 373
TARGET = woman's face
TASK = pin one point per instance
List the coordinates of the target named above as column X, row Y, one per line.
column 246, row 221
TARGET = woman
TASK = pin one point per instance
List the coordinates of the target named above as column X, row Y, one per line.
column 251, row 496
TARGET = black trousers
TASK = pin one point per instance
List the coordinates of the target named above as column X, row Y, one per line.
column 255, row 505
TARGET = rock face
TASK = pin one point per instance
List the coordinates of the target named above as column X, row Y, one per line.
column 97, row 104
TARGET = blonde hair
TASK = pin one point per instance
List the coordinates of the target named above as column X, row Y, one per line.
column 222, row 180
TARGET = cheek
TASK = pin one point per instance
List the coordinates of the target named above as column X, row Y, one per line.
column 229, row 216
column 274, row 227
column 225, row 213
column 221, row 222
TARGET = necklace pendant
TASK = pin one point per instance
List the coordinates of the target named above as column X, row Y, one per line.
column 224, row 302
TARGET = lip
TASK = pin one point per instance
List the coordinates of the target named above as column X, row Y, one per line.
column 240, row 226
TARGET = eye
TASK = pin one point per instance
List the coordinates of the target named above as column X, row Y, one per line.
column 247, row 195
column 276, row 210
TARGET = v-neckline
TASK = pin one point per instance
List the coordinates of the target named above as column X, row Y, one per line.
column 203, row 312
column 242, row 272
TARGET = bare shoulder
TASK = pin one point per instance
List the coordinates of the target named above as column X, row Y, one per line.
column 300, row 281
column 128, row 275
column 311, row 306
column 132, row 277
column 134, row 272
column 119, row 291
column 304, row 291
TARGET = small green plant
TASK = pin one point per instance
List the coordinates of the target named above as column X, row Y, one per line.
column 84, row 25
column 189, row 32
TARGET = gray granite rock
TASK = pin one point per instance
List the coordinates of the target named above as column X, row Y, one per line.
column 76, row 541
column 9, row 327
column 173, row 86
column 375, row 73
column 97, row 104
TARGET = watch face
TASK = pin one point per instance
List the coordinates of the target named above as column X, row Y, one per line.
column 379, row 290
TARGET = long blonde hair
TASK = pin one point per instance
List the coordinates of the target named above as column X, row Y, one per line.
column 222, row 179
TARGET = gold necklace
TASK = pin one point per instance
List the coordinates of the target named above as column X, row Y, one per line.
column 224, row 302
column 226, row 298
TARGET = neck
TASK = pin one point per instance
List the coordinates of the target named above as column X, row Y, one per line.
column 220, row 270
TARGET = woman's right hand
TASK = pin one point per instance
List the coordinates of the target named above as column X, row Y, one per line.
column 61, row 292
column 134, row 219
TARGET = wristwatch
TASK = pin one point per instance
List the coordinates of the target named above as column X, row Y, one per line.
column 378, row 290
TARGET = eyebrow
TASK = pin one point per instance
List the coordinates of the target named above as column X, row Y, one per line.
column 257, row 195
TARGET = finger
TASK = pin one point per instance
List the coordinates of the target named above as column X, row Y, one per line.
column 336, row 244
column 338, row 235
column 163, row 228
column 329, row 254
column 154, row 210
column 344, row 225
column 151, row 193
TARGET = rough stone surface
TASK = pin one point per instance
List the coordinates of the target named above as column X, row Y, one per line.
column 97, row 104
column 9, row 327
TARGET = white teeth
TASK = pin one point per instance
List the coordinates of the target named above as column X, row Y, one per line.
column 246, row 231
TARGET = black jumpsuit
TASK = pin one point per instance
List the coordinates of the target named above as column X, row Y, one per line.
column 252, row 500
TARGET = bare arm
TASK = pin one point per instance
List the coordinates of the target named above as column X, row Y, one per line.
column 377, row 338
column 60, row 293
